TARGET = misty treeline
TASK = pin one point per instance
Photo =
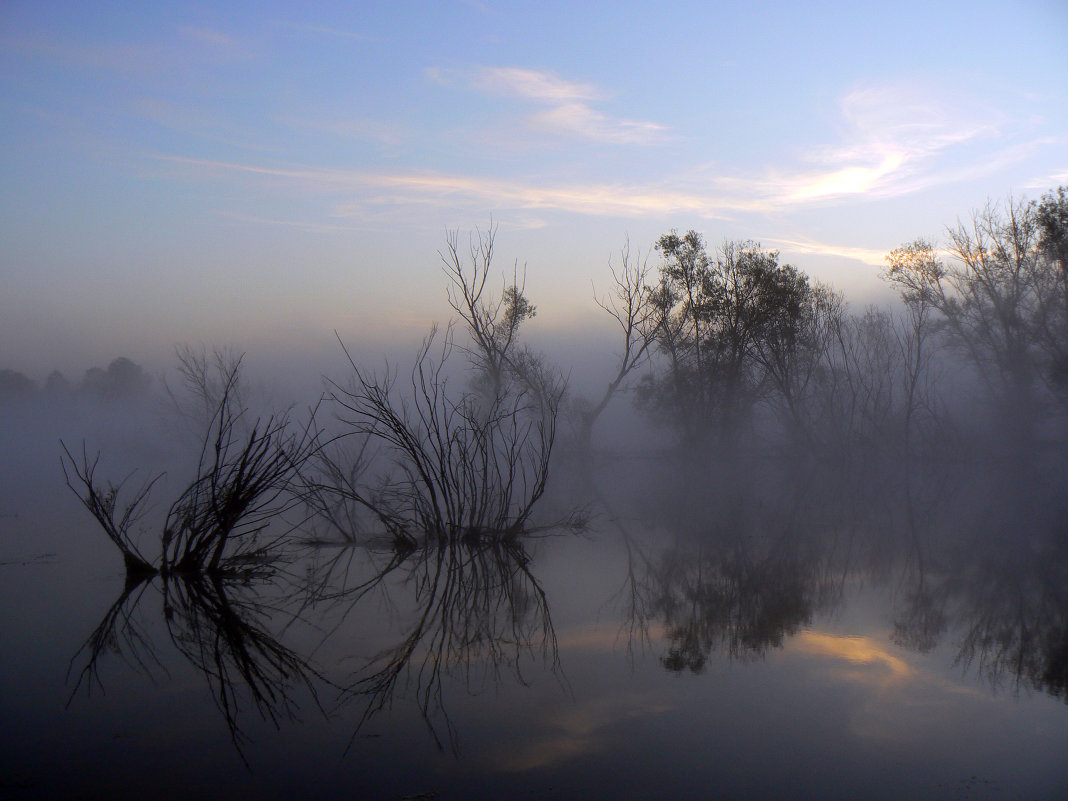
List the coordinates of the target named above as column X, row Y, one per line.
column 741, row 352
column 417, row 486
column 122, row 379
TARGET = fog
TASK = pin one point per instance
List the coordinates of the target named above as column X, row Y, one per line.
column 736, row 466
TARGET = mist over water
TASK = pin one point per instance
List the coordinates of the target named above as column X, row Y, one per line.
column 757, row 545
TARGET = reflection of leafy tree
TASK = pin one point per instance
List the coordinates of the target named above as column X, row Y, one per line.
column 222, row 630
column 1016, row 629
column 1008, row 608
column 729, row 598
column 477, row 611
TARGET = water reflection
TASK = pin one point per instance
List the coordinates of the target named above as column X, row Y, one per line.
column 1007, row 608
column 762, row 568
column 732, row 598
column 221, row 627
column 754, row 575
column 474, row 611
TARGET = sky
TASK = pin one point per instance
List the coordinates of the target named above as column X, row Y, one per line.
column 261, row 175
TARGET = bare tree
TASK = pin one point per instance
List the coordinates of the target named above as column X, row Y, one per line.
column 245, row 479
column 915, row 270
column 493, row 323
column 463, row 466
column 631, row 305
column 1000, row 300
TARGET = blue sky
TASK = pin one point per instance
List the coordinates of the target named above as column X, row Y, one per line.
column 263, row 174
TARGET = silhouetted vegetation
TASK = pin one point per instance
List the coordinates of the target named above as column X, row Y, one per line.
column 457, row 466
column 245, row 479
column 815, row 446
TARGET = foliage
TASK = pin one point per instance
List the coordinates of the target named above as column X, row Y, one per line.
column 735, row 329
column 1001, row 301
column 492, row 323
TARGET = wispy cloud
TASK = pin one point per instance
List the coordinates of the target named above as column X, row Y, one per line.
column 579, row 119
column 892, row 135
column 568, row 109
column 527, row 84
column 187, row 48
column 871, row 256
column 1050, row 181
column 302, row 225
column 350, row 127
column 595, row 199
column 207, row 36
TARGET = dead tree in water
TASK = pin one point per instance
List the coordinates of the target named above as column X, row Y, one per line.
column 245, row 478
column 459, row 466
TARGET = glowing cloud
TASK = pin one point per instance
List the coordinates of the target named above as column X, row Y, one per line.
column 848, row 181
column 854, row 650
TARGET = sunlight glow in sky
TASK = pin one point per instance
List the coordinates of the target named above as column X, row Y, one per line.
column 262, row 174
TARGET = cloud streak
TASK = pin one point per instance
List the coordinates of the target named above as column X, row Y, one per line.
column 567, row 105
column 594, row 199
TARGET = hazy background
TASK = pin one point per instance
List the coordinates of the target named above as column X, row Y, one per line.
column 255, row 175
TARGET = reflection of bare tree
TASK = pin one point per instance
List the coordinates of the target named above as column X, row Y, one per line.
column 476, row 611
column 223, row 629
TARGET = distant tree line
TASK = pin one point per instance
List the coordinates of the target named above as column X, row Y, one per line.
column 121, row 379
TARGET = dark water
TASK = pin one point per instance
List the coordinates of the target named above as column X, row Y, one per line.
column 687, row 643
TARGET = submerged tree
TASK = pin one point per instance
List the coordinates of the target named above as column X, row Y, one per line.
column 246, row 478
column 453, row 465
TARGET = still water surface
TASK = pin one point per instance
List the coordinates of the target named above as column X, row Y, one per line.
column 736, row 649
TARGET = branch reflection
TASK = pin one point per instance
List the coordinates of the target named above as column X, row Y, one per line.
column 221, row 627
column 474, row 611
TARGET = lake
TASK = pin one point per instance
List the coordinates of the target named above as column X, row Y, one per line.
column 761, row 638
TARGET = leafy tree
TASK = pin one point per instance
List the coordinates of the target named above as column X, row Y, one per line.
column 1001, row 301
column 57, row 385
column 1052, row 217
column 735, row 330
column 14, row 384
column 122, row 379
column 915, row 270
